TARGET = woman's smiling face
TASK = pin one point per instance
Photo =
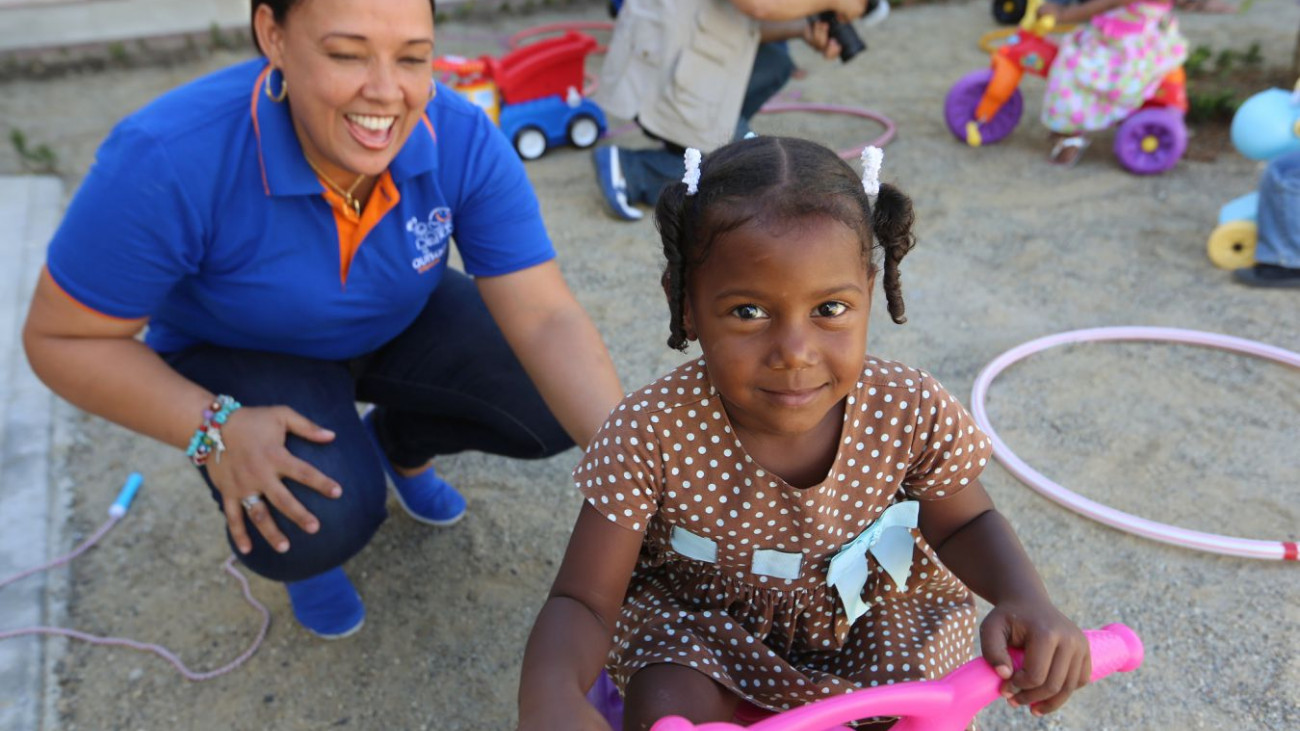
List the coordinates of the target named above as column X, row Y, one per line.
column 781, row 316
column 359, row 75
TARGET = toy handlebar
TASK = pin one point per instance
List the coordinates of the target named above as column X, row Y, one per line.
column 948, row 704
column 1031, row 23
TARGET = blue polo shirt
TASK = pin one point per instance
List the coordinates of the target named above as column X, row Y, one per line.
column 202, row 214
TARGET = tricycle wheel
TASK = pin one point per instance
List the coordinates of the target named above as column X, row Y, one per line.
column 1009, row 12
column 1232, row 245
column 1151, row 141
column 584, row 130
column 530, row 143
column 960, row 104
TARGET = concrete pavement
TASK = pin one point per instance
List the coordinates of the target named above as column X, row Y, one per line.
column 30, row 208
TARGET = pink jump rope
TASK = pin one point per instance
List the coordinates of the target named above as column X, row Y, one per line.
column 115, row 513
column 948, row 704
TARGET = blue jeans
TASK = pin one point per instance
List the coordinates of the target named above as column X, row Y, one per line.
column 449, row 383
column 1279, row 213
column 648, row 171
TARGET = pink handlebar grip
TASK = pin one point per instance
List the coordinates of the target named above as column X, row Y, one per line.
column 1115, row 648
column 948, row 704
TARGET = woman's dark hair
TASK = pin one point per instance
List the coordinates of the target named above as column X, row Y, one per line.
column 765, row 181
column 280, row 9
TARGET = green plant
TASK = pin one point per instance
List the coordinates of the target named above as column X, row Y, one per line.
column 1211, row 106
column 1195, row 63
column 218, row 38
column 1224, row 60
column 39, row 159
column 1253, row 56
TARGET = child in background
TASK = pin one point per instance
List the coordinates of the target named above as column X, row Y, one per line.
column 786, row 517
column 1107, row 68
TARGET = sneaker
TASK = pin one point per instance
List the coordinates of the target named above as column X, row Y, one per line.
column 612, row 183
column 425, row 497
column 1267, row 275
column 327, row 605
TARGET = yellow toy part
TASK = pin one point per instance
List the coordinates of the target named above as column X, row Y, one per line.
column 1232, row 245
column 993, row 40
column 1031, row 23
column 483, row 94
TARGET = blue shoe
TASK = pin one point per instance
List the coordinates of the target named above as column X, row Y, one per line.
column 612, row 183
column 425, row 497
column 327, row 605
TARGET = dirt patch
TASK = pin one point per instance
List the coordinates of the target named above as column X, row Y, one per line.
column 1010, row 249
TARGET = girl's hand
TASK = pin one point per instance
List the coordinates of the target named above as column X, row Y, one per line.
column 254, row 463
column 577, row 714
column 1056, row 662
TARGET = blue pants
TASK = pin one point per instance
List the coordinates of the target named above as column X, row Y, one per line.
column 449, row 383
column 648, row 171
column 1279, row 213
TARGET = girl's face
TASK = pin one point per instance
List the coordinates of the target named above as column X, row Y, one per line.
column 781, row 315
column 359, row 75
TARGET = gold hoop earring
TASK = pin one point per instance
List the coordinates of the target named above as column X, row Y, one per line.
column 284, row 87
column 433, row 90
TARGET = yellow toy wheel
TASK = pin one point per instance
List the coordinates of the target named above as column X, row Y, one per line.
column 1232, row 245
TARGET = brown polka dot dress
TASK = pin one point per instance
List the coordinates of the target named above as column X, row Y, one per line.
column 732, row 576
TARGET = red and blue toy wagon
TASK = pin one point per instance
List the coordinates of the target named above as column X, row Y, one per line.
column 533, row 93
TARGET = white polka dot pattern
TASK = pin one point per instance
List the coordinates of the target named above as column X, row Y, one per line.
column 667, row 457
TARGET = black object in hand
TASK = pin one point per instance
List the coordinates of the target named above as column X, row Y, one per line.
column 844, row 34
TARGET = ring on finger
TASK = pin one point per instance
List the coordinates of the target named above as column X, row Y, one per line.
column 250, row 501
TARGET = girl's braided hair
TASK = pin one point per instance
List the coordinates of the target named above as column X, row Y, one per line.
column 768, row 180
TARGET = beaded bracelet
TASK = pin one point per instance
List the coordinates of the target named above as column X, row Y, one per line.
column 207, row 438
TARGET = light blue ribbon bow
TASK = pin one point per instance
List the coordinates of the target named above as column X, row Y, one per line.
column 890, row 540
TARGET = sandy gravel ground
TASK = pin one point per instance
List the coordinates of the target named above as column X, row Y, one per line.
column 1010, row 249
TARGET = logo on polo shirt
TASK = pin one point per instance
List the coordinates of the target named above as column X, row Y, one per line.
column 430, row 238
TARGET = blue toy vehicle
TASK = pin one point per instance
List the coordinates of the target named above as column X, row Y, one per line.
column 532, row 93
column 536, row 126
column 1265, row 127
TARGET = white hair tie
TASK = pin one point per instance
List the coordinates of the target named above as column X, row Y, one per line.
column 872, row 157
column 692, row 176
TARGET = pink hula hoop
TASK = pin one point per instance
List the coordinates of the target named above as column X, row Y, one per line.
column 851, row 154
column 1244, row 547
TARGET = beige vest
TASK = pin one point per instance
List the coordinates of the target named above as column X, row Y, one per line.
column 680, row 67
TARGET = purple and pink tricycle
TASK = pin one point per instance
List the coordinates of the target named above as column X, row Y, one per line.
column 948, row 704
column 984, row 106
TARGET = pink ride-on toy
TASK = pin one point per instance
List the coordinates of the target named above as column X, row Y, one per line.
column 984, row 106
column 1265, row 127
column 933, row 705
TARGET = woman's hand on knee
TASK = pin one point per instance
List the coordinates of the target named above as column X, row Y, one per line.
column 252, row 469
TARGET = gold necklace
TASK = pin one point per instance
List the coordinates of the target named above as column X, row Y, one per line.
column 352, row 202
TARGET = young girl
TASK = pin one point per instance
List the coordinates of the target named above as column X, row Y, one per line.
column 784, row 518
column 1107, row 68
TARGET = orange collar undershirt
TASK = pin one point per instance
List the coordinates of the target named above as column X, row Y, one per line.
column 352, row 228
